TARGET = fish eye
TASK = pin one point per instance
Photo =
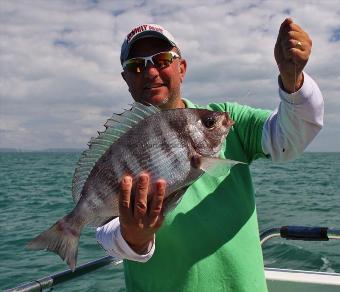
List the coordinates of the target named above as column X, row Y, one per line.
column 209, row 122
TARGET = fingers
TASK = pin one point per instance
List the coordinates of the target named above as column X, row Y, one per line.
column 292, row 33
column 137, row 206
column 140, row 219
column 157, row 202
column 293, row 43
column 298, row 40
column 124, row 197
column 296, row 51
column 142, row 190
column 283, row 28
column 288, row 25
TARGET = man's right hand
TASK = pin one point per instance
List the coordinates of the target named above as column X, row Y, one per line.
column 140, row 219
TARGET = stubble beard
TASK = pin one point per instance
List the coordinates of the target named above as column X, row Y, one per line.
column 171, row 101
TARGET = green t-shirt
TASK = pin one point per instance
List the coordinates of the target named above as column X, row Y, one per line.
column 210, row 241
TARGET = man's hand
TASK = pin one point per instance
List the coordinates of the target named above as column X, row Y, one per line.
column 292, row 50
column 140, row 218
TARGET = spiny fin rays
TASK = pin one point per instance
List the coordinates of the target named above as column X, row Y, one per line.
column 115, row 127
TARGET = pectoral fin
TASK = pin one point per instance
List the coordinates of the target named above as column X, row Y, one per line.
column 217, row 166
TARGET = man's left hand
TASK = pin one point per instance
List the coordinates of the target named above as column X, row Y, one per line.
column 292, row 51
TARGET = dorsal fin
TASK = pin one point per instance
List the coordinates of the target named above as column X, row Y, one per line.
column 116, row 126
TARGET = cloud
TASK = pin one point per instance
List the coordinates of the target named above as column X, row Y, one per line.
column 60, row 72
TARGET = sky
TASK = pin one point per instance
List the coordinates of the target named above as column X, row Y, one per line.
column 60, row 71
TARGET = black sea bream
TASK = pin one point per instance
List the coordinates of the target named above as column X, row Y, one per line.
column 177, row 145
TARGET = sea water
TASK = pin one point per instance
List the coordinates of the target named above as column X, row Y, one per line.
column 35, row 191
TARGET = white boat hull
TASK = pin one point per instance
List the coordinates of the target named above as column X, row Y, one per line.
column 282, row 280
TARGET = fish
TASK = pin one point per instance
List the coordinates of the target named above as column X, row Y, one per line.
column 177, row 145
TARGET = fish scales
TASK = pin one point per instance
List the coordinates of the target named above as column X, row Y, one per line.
column 132, row 149
column 156, row 151
column 175, row 145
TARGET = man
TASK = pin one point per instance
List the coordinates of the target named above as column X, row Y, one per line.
column 210, row 241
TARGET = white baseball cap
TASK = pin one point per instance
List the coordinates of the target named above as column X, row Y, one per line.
column 145, row 31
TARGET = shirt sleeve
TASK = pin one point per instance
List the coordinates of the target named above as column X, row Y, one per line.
column 111, row 239
column 294, row 124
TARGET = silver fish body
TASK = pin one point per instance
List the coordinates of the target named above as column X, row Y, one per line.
column 175, row 145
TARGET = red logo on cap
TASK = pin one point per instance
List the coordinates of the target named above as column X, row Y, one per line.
column 140, row 29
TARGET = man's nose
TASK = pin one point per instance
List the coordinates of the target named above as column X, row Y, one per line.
column 150, row 69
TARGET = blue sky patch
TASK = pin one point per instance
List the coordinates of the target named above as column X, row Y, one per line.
column 335, row 37
column 287, row 11
column 117, row 12
column 63, row 43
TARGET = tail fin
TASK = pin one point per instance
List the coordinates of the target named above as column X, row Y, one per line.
column 62, row 238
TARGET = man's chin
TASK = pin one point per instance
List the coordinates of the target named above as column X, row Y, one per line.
column 156, row 100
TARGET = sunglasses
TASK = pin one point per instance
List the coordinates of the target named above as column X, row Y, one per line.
column 159, row 60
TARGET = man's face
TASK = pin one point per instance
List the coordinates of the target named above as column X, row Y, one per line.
column 158, row 86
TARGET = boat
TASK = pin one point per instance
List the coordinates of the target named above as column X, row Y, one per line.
column 286, row 280
column 278, row 280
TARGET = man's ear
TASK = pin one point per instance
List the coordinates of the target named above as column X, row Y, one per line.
column 182, row 68
column 124, row 77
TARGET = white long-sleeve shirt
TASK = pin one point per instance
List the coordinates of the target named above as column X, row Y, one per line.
column 286, row 134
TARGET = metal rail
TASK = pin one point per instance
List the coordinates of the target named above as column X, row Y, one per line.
column 52, row 280
column 288, row 232
column 300, row 233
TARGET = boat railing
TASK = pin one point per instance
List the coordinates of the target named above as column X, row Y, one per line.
column 287, row 232
column 300, row 233
column 61, row 277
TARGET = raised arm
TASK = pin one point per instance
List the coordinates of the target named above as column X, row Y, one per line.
column 299, row 117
